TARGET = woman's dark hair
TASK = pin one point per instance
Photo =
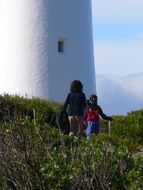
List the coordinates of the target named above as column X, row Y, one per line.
column 76, row 86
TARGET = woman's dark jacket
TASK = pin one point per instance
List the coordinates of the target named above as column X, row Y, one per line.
column 75, row 103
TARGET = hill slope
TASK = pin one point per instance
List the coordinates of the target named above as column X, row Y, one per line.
column 34, row 154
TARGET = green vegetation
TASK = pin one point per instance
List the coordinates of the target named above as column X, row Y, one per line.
column 35, row 155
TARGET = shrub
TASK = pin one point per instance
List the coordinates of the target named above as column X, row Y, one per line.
column 35, row 155
column 128, row 130
column 135, row 175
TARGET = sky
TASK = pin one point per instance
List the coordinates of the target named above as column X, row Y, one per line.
column 118, row 54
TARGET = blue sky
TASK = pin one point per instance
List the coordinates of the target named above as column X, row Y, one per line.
column 118, row 53
column 116, row 31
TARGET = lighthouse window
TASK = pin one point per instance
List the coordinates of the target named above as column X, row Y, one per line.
column 60, row 46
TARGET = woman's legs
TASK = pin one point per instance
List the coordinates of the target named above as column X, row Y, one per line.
column 76, row 125
column 73, row 125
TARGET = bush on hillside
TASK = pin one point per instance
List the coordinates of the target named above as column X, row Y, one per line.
column 135, row 175
column 40, row 157
column 35, row 155
column 128, row 130
column 37, row 110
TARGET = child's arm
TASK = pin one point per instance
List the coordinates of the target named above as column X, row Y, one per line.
column 103, row 115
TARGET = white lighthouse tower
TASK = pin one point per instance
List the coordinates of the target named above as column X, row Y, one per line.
column 44, row 46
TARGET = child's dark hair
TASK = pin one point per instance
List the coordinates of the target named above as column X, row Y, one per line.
column 92, row 102
column 93, row 98
column 76, row 86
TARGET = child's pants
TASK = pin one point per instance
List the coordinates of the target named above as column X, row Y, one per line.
column 92, row 128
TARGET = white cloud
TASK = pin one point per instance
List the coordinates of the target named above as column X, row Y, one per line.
column 119, row 58
column 118, row 10
column 119, row 95
column 120, row 55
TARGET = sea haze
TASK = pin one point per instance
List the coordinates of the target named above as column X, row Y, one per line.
column 119, row 95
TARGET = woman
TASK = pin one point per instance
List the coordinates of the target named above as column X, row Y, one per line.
column 75, row 102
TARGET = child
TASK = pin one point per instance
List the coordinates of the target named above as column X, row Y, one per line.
column 92, row 116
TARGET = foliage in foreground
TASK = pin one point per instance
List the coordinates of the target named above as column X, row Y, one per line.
column 34, row 155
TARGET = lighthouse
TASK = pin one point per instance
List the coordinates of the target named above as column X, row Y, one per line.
column 44, row 46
